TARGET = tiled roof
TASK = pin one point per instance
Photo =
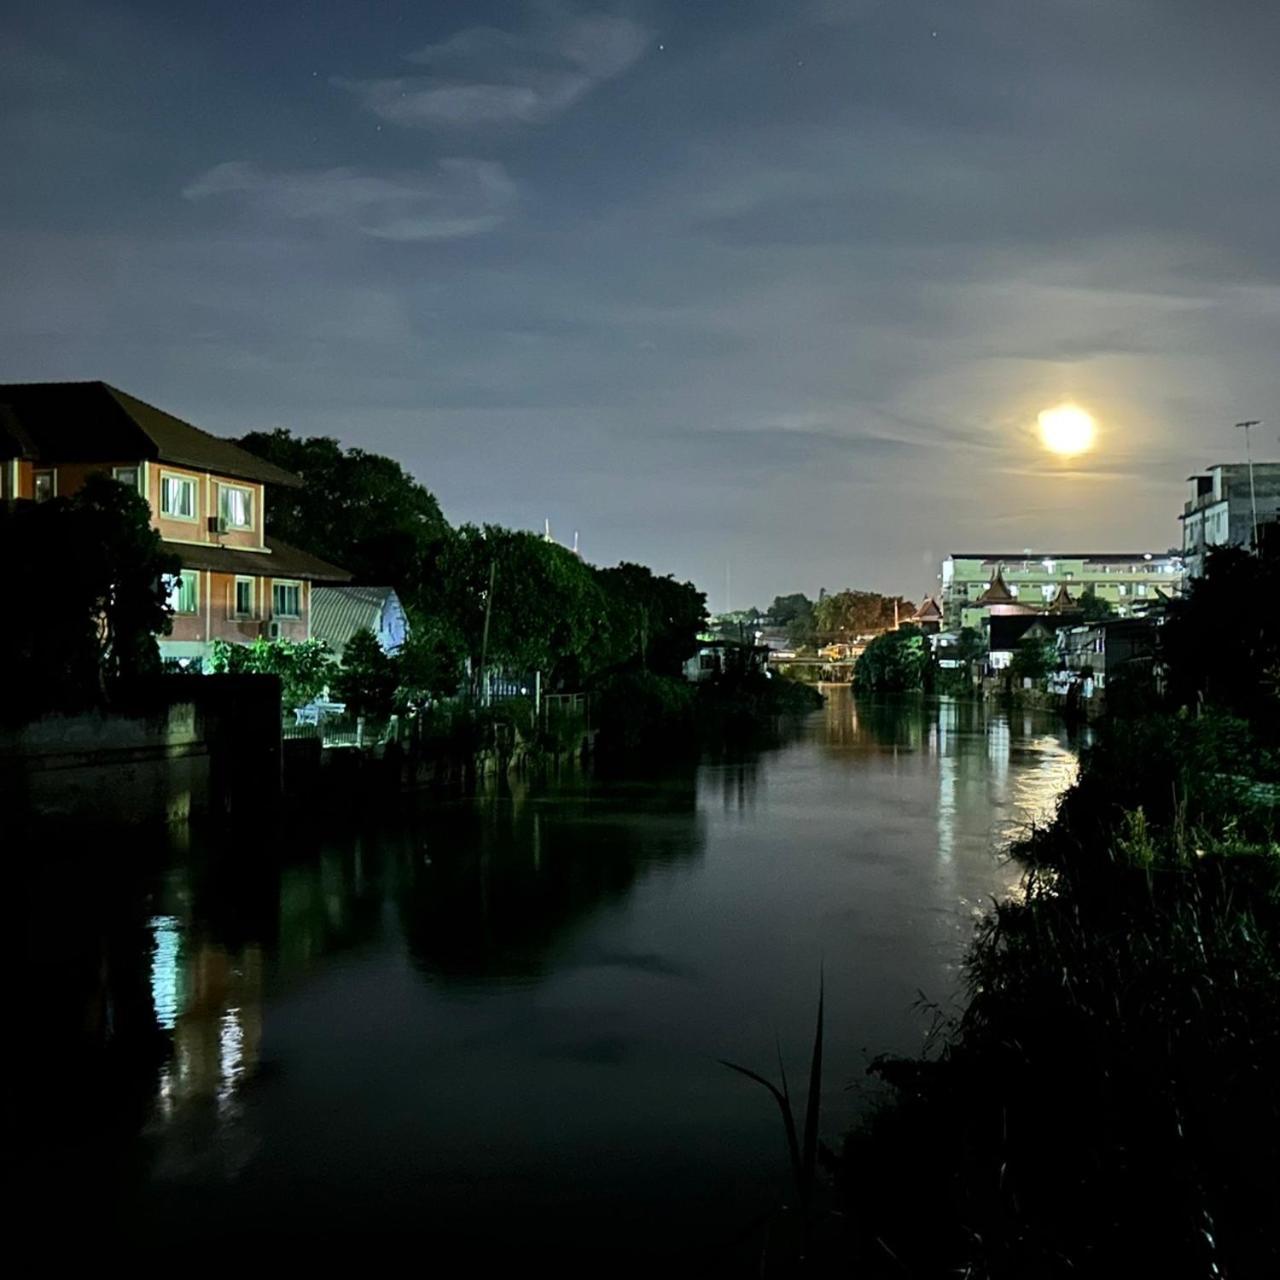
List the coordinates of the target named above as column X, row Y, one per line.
column 997, row 592
column 337, row 613
column 280, row 560
column 94, row 422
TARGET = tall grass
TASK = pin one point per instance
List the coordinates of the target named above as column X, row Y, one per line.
column 1107, row 1103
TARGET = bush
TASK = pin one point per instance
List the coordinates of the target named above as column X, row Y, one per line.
column 637, row 708
column 896, row 662
column 1106, row 1102
column 305, row 668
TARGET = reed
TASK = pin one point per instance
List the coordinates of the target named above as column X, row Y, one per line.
column 802, row 1141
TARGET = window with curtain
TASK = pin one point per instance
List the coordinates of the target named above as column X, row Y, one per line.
column 237, row 507
column 184, row 592
column 178, row 497
column 286, row 599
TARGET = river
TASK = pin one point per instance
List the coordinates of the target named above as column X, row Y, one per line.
column 497, row 1019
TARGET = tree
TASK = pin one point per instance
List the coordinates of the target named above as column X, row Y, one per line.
column 360, row 510
column 848, row 613
column 787, row 609
column 431, row 661
column 653, row 622
column 305, row 668
column 970, row 647
column 1093, row 608
column 894, row 662
column 1033, row 659
column 368, row 678
column 1221, row 644
column 546, row 613
column 89, row 573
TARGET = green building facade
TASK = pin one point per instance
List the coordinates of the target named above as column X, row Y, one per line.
column 1130, row 582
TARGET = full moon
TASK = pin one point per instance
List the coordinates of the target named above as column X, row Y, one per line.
column 1066, row 430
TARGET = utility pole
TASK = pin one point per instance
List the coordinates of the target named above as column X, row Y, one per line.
column 484, row 638
column 1253, row 497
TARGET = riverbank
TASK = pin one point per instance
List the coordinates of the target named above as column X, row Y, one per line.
column 1105, row 1104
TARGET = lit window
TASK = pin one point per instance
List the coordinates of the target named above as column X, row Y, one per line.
column 44, row 486
column 244, row 597
column 236, row 507
column 127, row 476
column 178, row 497
column 184, row 592
column 286, row 599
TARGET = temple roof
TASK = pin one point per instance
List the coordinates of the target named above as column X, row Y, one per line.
column 998, row 592
column 1062, row 602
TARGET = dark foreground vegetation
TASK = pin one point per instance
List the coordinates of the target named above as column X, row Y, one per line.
column 1107, row 1103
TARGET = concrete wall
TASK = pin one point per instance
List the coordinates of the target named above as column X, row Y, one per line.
column 176, row 748
column 108, row 768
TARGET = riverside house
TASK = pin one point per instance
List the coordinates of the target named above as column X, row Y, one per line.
column 207, row 498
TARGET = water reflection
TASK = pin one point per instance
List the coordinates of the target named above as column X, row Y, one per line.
column 513, row 999
column 492, row 889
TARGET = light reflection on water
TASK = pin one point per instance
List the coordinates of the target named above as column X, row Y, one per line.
column 518, row 1000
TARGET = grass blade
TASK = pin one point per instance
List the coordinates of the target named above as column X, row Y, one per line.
column 813, row 1104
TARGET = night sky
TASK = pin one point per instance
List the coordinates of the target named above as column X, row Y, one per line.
column 773, row 286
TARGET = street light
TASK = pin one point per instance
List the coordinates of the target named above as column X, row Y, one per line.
column 1253, row 497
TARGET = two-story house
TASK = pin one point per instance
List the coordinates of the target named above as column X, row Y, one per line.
column 207, row 498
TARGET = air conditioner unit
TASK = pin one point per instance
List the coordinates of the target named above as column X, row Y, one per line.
column 217, row 524
column 271, row 630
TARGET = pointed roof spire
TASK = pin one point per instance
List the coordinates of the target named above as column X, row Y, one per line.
column 997, row 592
column 1062, row 602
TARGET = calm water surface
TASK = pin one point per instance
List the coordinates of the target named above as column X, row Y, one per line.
column 497, row 1019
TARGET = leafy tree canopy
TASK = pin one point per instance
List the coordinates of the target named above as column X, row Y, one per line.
column 653, row 622
column 1033, row 659
column 547, row 609
column 360, row 510
column 895, row 662
column 847, row 613
column 1093, row 607
column 89, row 572
column 970, row 646
column 1221, row 644
column 305, row 668
column 787, row 609
column 368, row 679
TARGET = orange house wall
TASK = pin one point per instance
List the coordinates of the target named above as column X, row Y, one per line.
column 214, row 620
column 207, row 501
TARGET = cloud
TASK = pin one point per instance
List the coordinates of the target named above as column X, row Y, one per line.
column 462, row 197
column 483, row 77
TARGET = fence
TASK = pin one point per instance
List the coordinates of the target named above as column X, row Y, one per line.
column 345, row 731
column 566, row 706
